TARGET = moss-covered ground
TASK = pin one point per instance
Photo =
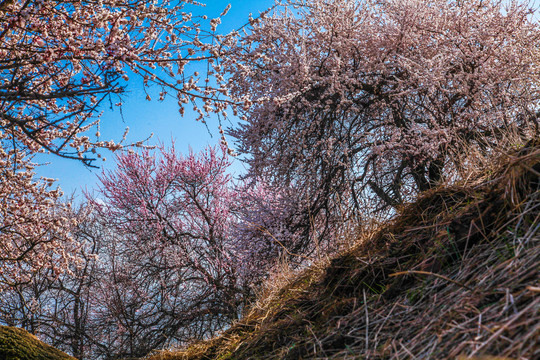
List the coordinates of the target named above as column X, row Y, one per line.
column 18, row 344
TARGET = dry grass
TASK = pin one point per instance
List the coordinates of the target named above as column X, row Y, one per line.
column 454, row 276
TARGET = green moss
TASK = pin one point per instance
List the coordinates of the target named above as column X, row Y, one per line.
column 18, row 344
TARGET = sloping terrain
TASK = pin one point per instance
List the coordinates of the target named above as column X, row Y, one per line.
column 18, row 344
column 455, row 275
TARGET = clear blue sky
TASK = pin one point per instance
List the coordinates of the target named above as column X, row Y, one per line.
column 146, row 117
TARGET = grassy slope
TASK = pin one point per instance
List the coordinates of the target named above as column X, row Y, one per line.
column 456, row 274
column 18, row 344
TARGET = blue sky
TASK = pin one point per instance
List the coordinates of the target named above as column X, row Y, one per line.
column 146, row 117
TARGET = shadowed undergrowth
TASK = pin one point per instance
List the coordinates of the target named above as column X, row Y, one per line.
column 455, row 274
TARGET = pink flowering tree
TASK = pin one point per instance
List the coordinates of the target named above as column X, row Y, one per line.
column 351, row 100
column 173, row 270
column 266, row 227
column 274, row 223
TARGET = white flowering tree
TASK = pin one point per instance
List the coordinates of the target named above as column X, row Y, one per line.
column 60, row 60
column 356, row 99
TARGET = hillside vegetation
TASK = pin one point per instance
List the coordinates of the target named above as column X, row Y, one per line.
column 326, row 117
column 454, row 275
column 18, row 344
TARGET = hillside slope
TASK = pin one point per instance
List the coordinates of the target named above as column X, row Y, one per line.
column 18, row 344
column 454, row 275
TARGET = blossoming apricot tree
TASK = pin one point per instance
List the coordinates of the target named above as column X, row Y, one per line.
column 34, row 226
column 357, row 99
column 174, row 263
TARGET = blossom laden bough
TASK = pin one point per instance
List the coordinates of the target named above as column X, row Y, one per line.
column 367, row 99
column 61, row 61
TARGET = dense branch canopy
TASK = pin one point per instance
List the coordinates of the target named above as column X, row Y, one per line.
column 375, row 97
